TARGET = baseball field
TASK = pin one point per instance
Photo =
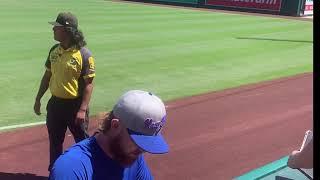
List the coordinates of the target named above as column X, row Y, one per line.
column 238, row 86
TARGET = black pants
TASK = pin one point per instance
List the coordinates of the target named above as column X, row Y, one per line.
column 61, row 113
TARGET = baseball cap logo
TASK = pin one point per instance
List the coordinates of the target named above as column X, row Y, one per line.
column 155, row 126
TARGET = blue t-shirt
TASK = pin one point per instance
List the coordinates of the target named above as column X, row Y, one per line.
column 87, row 161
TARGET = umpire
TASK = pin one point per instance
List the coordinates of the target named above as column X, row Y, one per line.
column 69, row 75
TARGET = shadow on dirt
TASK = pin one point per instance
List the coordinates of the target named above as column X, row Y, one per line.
column 21, row 176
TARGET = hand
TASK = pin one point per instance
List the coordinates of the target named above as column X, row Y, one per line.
column 80, row 116
column 295, row 152
column 36, row 107
column 292, row 159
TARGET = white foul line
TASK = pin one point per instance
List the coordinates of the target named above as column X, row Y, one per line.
column 21, row 125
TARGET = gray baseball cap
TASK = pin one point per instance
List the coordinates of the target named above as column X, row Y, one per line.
column 66, row 19
column 144, row 115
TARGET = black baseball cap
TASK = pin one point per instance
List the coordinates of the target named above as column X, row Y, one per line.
column 66, row 19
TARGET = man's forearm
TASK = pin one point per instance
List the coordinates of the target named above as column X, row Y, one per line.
column 43, row 86
column 86, row 96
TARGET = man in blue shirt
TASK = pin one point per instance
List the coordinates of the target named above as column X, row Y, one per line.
column 115, row 152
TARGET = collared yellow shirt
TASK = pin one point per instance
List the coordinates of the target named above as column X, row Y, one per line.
column 69, row 68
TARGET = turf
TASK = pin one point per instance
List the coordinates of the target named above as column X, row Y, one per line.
column 172, row 52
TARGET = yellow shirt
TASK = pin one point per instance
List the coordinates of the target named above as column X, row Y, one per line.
column 69, row 68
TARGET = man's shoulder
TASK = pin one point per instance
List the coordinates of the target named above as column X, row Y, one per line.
column 54, row 47
column 69, row 166
column 80, row 149
column 74, row 161
column 85, row 52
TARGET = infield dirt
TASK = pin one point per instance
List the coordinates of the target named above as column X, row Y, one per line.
column 217, row 135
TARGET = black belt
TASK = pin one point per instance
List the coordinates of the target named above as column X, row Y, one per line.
column 58, row 99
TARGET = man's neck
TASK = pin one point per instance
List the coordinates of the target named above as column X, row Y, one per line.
column 65, row 45
column 103, row 142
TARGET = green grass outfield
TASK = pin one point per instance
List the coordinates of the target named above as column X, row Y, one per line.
column 169, row 51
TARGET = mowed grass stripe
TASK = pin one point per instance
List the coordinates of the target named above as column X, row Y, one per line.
column 172, row 52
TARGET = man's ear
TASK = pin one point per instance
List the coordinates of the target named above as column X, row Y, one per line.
column 115, row 124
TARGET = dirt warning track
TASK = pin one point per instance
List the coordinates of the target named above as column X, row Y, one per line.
column 217, row 135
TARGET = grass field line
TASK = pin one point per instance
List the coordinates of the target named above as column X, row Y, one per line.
column 21, row 125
